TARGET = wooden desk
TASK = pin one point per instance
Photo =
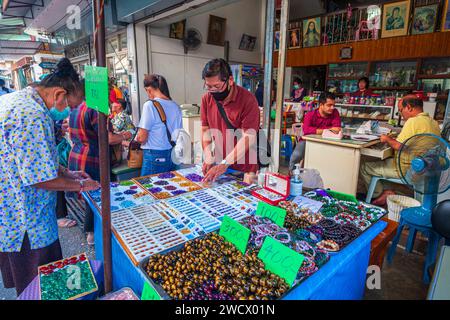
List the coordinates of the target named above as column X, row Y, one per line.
column 337, row 161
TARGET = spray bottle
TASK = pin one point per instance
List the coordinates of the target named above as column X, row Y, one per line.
column 296, row 182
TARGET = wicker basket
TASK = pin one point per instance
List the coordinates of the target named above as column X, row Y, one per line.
column 398, row 203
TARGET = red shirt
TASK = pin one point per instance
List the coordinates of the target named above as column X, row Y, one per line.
column 243, row 112
column 313, row 121
column 364, row 93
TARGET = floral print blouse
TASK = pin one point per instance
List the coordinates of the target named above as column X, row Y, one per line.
column 28, row 156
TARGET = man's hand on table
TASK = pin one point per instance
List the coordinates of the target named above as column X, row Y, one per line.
column 215, row 172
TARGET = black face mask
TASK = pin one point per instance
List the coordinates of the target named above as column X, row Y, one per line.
column 221, row 96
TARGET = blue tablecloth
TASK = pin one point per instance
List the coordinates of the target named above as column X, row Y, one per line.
column 342, row 278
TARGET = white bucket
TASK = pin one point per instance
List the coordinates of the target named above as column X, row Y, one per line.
column 396, row 204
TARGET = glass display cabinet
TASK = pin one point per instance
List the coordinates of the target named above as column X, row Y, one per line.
column 393, row 75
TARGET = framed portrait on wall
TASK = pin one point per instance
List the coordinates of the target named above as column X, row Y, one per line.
column 216, row 30
column 424, row 20
column 311, row 32
column 177, row 30
column 248, row 42
column 295, row 40
column 446, row 16
column 396, row 19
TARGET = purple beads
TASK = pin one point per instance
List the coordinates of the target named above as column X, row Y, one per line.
column 194, row 177
column 166, row 175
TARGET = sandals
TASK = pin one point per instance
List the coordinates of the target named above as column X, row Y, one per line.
column 90, row 239
column 66, row 223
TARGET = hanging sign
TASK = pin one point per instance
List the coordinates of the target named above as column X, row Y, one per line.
column 235, row 233
column 275, row 214
column 149, row 293
column 48, row 65
column 97, row 96
column 280, row 260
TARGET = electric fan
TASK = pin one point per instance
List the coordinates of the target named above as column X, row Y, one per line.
column 423, row 163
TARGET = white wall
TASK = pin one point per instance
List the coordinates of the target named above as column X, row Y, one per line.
column 183, row 72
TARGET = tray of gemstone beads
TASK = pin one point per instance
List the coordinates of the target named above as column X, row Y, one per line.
column 124, row 195
column 55, row 279
column 149, row 229
column 209, row 268
column 206, row 220
column 217, row 207
column 167, row 185
column 239, row 198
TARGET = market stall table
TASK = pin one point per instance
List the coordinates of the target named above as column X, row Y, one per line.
column 338, row 161
column 343, row 277
column 32, row 291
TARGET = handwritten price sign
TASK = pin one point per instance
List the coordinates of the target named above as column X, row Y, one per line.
column 235, row 233
column 149, row 293
column 275, row 214
column 97, row 93
column 281, row 260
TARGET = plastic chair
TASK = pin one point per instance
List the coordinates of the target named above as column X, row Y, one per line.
column 432, row 248
column 373, row 184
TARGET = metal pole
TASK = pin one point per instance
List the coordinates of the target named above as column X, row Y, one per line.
column 104, row 150
column 280, row 84
column 268, row 63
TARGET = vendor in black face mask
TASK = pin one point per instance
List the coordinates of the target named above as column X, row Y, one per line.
column 241, row 108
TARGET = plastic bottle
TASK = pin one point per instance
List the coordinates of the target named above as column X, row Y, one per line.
column 296, row 182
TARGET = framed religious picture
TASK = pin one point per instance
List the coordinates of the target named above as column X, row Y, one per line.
column 446, row 16
column 424, row 20
column 247, row 42
column 311, row 32
column 277, row 41
column 395, row 19
column 294, row 38
column 177, row 30
column 216, row 30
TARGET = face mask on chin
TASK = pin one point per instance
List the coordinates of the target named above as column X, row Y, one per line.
column 57, row 115
column 221, row 96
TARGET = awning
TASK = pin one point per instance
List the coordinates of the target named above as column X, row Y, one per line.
column 13, row 50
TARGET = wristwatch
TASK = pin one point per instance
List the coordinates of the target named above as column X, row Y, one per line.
column 224, row 162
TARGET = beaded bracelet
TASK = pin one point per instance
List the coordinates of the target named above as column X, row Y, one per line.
column 328, row 245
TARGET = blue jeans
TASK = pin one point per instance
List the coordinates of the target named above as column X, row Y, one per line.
column 157, row 161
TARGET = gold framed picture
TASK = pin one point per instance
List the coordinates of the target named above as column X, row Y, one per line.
column 177, row 30
column 396, row 19
column 216, row 30
column 295, row 40
column 312, row 29
column 424, row 20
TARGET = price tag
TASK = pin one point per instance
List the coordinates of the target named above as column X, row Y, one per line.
column 149, row 293
column 275, row 214
column 97, row 92
column 280, row 259
column 235, row 233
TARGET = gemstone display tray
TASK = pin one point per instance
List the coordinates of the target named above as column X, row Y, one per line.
column 148, row 229
column 237, row 198
column 200, row 216
column 167, row 185
column 217, row 207
column 125, row 195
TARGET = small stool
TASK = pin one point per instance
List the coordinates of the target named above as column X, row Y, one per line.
column 432, row 248
column 373, row 185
